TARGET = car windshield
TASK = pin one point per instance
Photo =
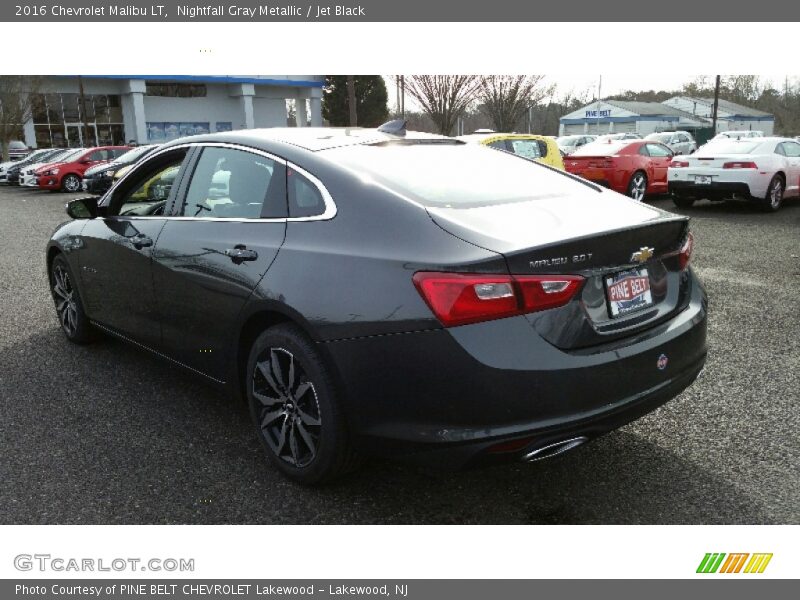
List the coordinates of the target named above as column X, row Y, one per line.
column 134, row 154
column 660, row 137
column 728, row 147
column 567, row 141
column 453, row 176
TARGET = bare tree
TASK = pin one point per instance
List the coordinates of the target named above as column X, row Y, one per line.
column 506, row 98
column 351, row 100
column 16, row 101
column 444, row 98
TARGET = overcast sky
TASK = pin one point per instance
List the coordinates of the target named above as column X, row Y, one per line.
column 612, row 84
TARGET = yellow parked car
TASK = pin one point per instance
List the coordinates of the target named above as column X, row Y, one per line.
column 540, row 148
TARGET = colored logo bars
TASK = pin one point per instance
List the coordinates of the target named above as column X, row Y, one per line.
column 713, row 562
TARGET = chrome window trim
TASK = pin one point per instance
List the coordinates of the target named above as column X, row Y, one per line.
column 330, row 206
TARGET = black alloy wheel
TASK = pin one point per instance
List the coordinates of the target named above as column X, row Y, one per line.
column 295, row 409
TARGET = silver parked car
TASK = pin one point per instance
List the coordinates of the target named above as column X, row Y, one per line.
column 680, row 142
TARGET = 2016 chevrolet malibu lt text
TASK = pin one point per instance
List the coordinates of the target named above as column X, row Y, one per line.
column 379, row 291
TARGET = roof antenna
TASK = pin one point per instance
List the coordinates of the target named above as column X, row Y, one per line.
column 396, row 127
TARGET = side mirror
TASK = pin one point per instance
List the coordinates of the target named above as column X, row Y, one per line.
column 82, row 208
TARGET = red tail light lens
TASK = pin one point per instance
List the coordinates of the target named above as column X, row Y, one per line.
column 685, row 253
column 745, row 164
column 679, row 164
column 460, row 299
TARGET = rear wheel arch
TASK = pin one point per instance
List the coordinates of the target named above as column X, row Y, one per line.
column 254, row 324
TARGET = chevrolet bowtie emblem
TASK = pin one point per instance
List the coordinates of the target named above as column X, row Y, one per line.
column 642, row 255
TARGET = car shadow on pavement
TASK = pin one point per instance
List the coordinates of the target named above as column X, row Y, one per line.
column 106, row 434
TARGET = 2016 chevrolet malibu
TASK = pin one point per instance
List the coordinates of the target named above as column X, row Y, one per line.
column 382, row 291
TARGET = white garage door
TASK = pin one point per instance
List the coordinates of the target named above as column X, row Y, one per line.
column 573, row 129
column 629, row 127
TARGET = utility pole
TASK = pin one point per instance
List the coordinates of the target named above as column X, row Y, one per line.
column 599, row 90
column 397, row 90
column 351, row 100
column 403, row 96
column 716, row 106
column 84, row 116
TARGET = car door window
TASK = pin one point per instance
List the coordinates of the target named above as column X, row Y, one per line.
column 658, row 150
column 235, row 184
column 97, row 155
column 529, row 148
column 145, row 191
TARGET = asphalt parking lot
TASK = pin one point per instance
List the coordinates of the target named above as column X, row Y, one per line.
column 107, row 434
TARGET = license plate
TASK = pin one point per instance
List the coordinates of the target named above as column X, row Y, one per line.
column 628, row 291
column 702, row 179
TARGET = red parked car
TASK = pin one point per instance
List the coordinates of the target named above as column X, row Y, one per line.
column 66, row 176
column 632, row 167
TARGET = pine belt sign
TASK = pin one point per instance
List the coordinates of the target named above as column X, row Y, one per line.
column 598, row 114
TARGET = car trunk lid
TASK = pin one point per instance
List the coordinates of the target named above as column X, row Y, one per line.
column 600, row 235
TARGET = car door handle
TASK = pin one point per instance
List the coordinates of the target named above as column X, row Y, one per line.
column 140, row 241
column 240, row 253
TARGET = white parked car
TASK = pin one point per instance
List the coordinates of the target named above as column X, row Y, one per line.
column 629, row 135
column 4, row 167
column 27, row 175
column 764, row 170
column 738, row 135
column 569, row 143
column 680, row 142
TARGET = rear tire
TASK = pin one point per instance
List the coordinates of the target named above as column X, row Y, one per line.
column 295, row 407
column 774, row 199
column 637, row 187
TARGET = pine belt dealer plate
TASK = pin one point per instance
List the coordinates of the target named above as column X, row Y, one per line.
column 628, row 291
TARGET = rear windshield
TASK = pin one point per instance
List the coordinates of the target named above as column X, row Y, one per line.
column 454, row 176
column 601, row 148
column 728, row 147
column 660, row 137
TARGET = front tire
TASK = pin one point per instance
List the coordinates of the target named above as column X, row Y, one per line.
column 69, row 307
column 295, row 407
column 774, row 198
column 71, row 183
column 637, row 187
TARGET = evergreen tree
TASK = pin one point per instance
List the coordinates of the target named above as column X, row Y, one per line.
column 371, row 99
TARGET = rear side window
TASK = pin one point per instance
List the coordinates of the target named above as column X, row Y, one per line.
column 529, row 148
column 791, row 149
column 305, row 199
column 235, row 184
column 657, row 150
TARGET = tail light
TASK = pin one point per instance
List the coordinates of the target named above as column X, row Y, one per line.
column 685, row 253
column 743, row 164
column 679, row 164
column 460, row 299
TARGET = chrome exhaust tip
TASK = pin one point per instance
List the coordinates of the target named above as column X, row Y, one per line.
column 555, row 449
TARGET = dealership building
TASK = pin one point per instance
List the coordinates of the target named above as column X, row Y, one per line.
column 678, row 113
column 157, row 108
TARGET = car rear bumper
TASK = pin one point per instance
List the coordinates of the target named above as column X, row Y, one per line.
column 453, row 395
column 715, row 188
